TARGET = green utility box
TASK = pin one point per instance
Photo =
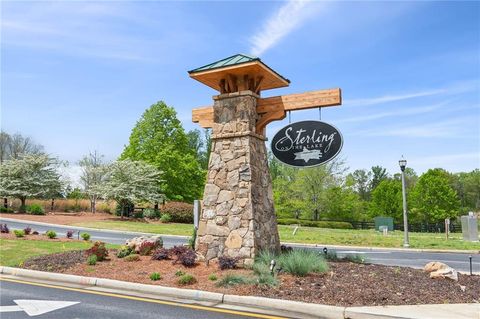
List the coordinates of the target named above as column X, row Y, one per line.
column 383, row 221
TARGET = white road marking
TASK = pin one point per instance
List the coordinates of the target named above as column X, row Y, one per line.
column 37, row 307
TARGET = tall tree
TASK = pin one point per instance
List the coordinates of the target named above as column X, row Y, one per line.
column 433, row 197
column 20, row 145
column 132, row 181
column 361, row 179
column 378, row 174
column 200, row 145
column 93, row 173
column 33, row 175
column 159, row 139
column 387, row 200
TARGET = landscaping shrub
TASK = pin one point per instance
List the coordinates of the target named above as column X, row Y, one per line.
column 191, row 240
column 212, row 277
column 85, row 236
column 35, row 232
column 178, row 250
column 358, row 259
column 98, row 249
column 300, row 262
column 187, row 279
column 22, row 208
column 69, row 234
column 92, row 260
column 138, row 214
column 266, row 280
column 161, row 254
column 4, row 229
column 188, row 258
column 166, row 218
column 132, row 257
column 151, row 213
column 27, row 230
column 51, row 234
column 179, row 273
column 179, row 211
column 265, row 257
column 312, row 223
column 147, row 247
column 124, row 252
column 6, row 210
column 226, row 262
column 35, row 209
column 19, row 233
column 155, row 276
column 232, row 280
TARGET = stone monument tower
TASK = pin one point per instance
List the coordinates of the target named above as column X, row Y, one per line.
column 237, row 217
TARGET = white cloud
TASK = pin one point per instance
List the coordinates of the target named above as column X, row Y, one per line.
column 456, row 88
column 282, row 22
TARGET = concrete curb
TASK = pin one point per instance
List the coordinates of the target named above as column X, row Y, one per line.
column 454, row 251
column 294, row 307
column 88, row 228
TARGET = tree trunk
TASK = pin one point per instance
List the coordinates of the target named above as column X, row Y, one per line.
column 52, row 205
column 22, row 205
column 93, row 205
column 5, row 202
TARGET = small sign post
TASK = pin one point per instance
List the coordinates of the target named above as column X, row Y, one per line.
column 447, row 227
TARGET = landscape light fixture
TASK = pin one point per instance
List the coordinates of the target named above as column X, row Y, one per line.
column 403, row 164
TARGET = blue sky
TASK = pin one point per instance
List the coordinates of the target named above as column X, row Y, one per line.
column 77, row 75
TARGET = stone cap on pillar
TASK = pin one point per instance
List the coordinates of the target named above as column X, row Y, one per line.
column 239, row 72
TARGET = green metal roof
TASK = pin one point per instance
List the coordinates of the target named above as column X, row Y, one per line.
column 232, row 60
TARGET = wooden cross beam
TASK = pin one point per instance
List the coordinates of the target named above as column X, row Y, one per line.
column 275, row 108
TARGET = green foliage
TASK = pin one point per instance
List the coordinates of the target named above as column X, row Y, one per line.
column 191, row 240
column 467, row 186
column 151, row 213
column 166, row 218
column 159, row 139
column 19, row 233
column 132, row 257
column 92, row 260
column 85, row 236
column 35, row 209
column 124, row 252
column 186, row 279
column 232, row 280
column 212, row 277
column 378, row 175
column 51, row 234
column 179, row 273
column 311, row 223
column 155, row 276
column 433, row 197
column 93, row 174
column 387, row 200
column 138, row 214
column 6, row 210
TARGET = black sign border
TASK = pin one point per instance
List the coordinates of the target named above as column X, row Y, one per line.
column 318, row 121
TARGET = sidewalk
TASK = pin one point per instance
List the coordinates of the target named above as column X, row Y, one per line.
column 256, row 304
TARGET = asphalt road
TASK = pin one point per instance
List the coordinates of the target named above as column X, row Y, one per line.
column 415, row 259
column 99, row 305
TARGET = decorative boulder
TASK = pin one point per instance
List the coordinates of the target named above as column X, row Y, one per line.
column 136, row 242
column 440, row 270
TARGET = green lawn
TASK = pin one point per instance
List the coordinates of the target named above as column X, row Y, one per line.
column 14, row 252
column 312, row 235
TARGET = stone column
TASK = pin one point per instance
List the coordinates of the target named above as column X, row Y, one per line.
column 238, row 218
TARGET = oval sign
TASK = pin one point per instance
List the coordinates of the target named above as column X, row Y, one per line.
column 307, row 143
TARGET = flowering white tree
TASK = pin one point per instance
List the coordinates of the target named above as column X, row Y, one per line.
column 131, row 181
column 33, row 175
column 94, row 171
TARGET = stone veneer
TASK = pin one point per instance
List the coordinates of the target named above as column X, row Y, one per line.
column 237, row 218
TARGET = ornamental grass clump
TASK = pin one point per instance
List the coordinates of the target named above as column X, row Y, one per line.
column 92, row 260
column 132, row 257
column 155, row 276
column 232, row 280
column 301, row 262
column 187, row 279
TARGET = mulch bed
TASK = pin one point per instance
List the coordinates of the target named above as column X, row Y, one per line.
column 346, row 284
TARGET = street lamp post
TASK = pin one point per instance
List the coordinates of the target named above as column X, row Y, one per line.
column 403, row 164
